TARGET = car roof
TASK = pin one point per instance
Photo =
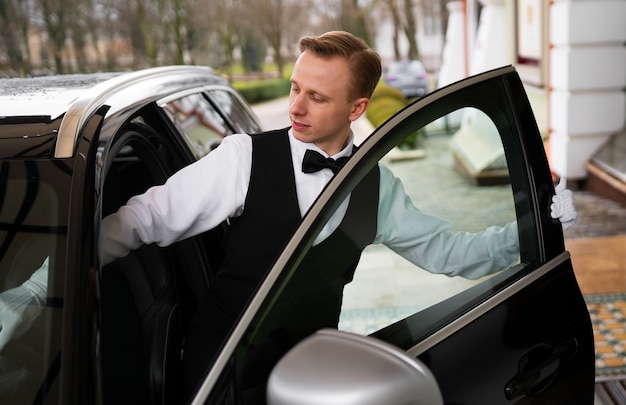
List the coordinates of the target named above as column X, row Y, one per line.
column 45, row 95
column 77, row 97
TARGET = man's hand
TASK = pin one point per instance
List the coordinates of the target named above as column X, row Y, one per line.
column 562, row 207
column 20, row 306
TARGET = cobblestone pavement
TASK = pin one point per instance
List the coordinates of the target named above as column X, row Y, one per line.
column 596, row 217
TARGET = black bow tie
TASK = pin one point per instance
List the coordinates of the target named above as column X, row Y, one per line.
column 314, row 161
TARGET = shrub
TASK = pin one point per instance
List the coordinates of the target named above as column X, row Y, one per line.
column 257, row 91
column 386, row 101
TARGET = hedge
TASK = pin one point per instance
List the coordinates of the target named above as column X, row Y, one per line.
column 384, row 103
column 258, row 91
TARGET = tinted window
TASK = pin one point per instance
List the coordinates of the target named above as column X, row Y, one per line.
column 235, row 111
column 33, row 228
column 202, row 125
column 457, row 175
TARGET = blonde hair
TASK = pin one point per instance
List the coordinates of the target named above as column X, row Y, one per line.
column 364, row 63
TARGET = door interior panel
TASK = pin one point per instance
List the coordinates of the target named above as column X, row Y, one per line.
column 149, row 296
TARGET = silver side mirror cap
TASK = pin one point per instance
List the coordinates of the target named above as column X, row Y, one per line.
column 337, row 367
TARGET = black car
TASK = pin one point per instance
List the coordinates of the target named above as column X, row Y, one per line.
column 74, row 149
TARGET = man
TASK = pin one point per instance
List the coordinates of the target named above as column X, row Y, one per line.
column 264, row 183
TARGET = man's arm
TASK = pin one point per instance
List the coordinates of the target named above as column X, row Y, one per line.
column 195, row 199
column 430, row 243
column 20, row 306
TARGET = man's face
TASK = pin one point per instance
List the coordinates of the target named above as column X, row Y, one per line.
column 319, row 108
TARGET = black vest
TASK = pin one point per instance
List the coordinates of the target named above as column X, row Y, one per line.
column 254, row 240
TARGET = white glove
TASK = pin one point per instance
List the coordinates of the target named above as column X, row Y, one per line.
column 20, row 306
column 562, row 207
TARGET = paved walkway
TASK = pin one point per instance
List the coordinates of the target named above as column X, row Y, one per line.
column 597, row 244
column 599, row 263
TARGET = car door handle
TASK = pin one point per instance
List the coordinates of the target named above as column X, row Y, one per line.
column 538, row 368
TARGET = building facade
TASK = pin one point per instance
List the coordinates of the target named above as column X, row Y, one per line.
column 571, row 55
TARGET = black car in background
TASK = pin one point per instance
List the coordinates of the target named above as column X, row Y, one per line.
column 75, row 148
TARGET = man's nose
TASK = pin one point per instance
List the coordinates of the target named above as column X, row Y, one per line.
column 296, row 105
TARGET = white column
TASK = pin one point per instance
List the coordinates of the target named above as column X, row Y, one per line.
column 453, row 65
column 477, row 145
column 494, row 42
column 587, row 77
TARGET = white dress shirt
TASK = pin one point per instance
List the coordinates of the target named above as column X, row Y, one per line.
column 213, row 189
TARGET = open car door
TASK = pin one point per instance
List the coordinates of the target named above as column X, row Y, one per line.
column 520, row 334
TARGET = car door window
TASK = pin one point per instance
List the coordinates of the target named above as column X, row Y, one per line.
column 202, row 125
column 33, row 236
column 455, row 170
column 205, row 118
column 386, row 296
column 235, row 110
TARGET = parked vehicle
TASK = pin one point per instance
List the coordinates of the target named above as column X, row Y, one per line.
column 408, row 76
column 73, row 149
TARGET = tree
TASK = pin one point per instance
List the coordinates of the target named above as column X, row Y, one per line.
column 225, row 27
column 269, row 17
column 144, row 44
column 352, row 19
column 54, row 14
column 349, row 15
column 444, row 14
column 82, row 16
column 404, row 21
column 397, row 23
column 410, row 29
column 149, row 25
column 180, row 16
column 252, row 52
column 89, row 35
column 108, row 31
column 14, row 24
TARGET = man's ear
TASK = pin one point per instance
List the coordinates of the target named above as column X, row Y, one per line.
column 358, row 108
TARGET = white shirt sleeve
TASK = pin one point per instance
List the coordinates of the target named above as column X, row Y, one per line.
column 430, row 243
column 193, row 200
column 201, row 196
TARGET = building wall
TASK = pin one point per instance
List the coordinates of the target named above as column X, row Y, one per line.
column 571, row 55
column 587, row 102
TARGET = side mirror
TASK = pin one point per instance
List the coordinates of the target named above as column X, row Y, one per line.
column 336, row 367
